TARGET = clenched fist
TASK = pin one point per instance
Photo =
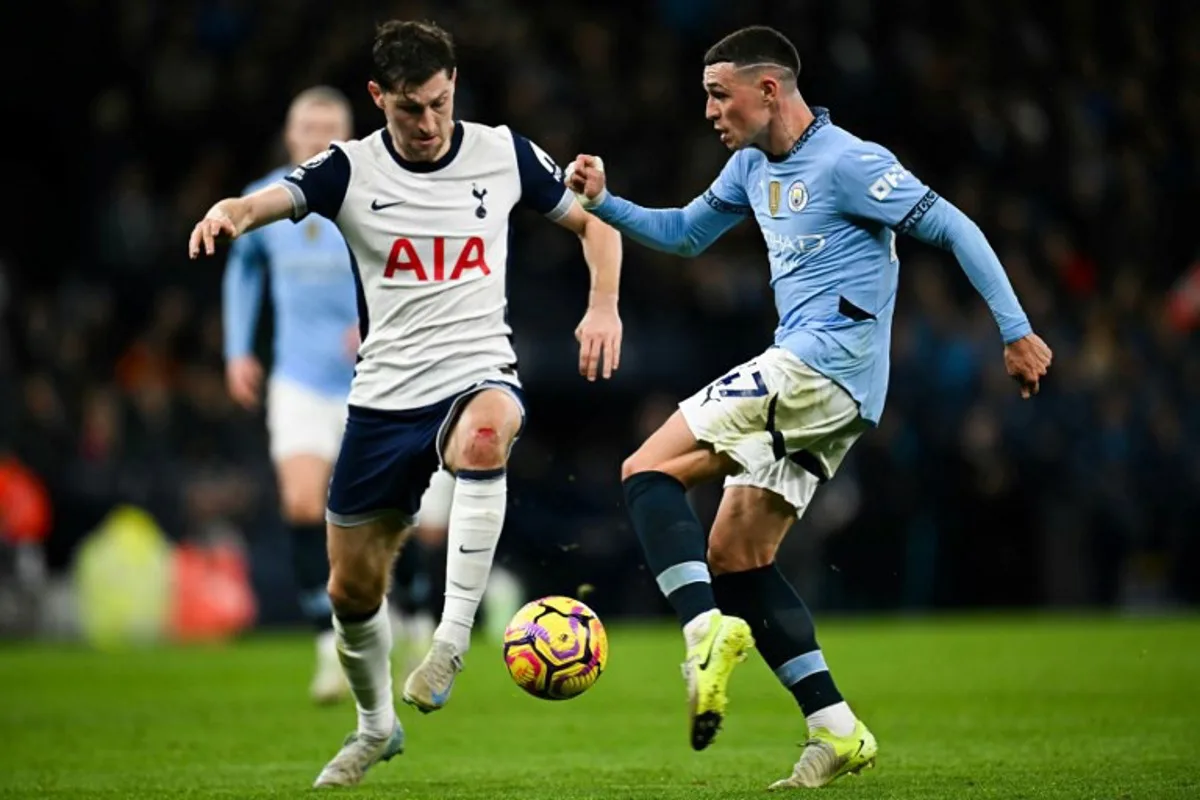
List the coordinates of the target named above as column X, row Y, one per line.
column 585, row 177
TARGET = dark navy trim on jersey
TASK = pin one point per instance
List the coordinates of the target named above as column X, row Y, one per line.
column 919, row 210
column 724, row 206
column 319, row 185
column 456, row 140
column 542, row 188
column 364, row 317
column 820, row 120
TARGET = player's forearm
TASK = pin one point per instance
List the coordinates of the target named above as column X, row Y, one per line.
column 679, row 231
column 255, row 209
column 602, row 252
column 241, row 292
column 946, row 227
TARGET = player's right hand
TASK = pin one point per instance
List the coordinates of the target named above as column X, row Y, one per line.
column 215, row 225
column 243, row 376
column 585, row 177
column 1027, row 361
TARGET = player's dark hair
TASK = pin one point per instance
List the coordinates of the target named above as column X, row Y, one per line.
column 408, row 53
column 756, row 44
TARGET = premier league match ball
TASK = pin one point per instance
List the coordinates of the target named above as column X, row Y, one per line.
column 555, row 648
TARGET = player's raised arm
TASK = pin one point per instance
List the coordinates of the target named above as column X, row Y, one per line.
column 233, row 216
column 686, row 231
column 318, row 185
column 599, row 332
column 871, row 183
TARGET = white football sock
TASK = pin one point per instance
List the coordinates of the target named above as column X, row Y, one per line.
column 476, row 519
column 697, row 627
column 365, row 648
column 838, row 719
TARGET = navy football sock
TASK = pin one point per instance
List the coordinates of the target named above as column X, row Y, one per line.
column 783, row 630
column 673, row 542
column 310, row 565
column 411, row 588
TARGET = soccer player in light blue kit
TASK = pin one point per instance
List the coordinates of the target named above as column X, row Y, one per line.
column 316, row 337
column 829, row 206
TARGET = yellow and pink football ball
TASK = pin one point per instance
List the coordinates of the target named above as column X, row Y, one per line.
column 555, row 648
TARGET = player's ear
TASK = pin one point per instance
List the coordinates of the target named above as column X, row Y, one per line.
column 376, row 92
column 769, row 88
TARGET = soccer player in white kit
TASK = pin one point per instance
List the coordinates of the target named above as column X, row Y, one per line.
column 424, row 206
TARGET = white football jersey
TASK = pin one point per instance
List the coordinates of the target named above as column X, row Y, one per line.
column 429, row 248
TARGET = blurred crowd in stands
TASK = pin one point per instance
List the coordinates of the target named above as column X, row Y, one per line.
column 1070, row 134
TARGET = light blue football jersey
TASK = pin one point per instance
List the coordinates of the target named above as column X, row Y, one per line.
column 829, row 212
column 314, row 295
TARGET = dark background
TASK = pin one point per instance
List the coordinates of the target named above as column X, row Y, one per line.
column 1069, row 134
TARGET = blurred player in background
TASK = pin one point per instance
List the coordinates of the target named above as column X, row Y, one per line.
column 830, row 206
column 315, row 343
column 424, row 204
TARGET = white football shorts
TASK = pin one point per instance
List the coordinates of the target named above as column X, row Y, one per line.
column 301, row 421
column 787, row 425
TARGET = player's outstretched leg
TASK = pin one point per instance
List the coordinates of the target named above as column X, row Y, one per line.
column 303, row 479
column 476, row 451
column 655, row 480
column 750, row 524
column 360, row 560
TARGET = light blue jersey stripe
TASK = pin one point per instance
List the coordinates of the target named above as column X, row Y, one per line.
column 801, row 667
column 676, row 577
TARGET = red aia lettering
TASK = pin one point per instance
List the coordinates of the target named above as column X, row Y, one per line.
column 471, row 257
column 404, row 257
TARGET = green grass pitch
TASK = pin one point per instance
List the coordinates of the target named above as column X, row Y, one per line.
column 963, row 708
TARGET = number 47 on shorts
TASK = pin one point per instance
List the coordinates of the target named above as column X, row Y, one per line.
column 737, row 384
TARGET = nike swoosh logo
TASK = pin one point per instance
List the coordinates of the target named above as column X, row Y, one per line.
column 708, row 655
column 378, row 206
column 861, row 743
column 440, row 698
column 469, row 551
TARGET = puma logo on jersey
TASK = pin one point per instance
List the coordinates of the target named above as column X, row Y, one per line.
column 405, row 258
column 882, row 187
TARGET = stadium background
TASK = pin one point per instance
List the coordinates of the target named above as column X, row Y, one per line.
column 1069, row 134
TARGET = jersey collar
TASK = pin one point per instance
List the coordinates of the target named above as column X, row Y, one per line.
column 456, row 140
column 820, row 120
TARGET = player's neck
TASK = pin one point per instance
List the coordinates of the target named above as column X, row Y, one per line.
column 786, row 129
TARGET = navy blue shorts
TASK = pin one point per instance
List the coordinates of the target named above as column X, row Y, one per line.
column 388, row 457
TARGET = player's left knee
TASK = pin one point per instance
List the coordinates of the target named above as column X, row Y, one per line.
column 725, row 557
column 634, row 464
column 482, row 448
